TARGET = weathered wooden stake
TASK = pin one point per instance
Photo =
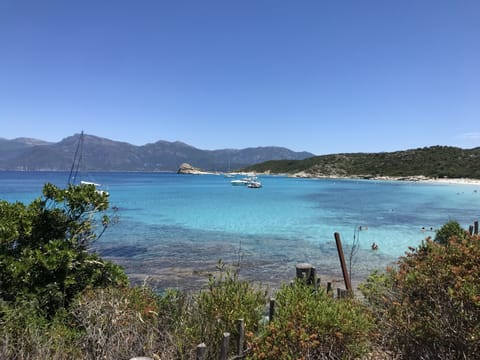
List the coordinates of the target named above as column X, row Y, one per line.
column 470, row 229
column 475, row 224
column 306, row 272
column 225, row 343
column 346, row 277
column 241, row 335
column 271, row 312
column 201, row 351
column 341, row 293
column 329, row 288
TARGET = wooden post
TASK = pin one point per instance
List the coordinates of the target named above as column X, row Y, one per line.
column 470, row 229
column 225, row 343
column 343, row 264
column 271, row 312
column 329, row 288
column 241, row 336
column 341, row 294
column 306, row 272
column 475, row 224
column 201, row 351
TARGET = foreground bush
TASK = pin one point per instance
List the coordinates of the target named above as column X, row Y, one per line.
column 45, row 264
column 449, row 230
column 110, row 323
column 313, row 325
column 429, row 307
column 26, row 334
column 217, row 309
column 44, row 256
column 117, row 323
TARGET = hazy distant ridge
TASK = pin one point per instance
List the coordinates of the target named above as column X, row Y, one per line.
column 101, row 154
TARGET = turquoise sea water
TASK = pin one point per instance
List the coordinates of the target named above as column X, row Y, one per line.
column 174, row 228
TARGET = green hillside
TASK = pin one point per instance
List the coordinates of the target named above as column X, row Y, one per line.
column 435, row 162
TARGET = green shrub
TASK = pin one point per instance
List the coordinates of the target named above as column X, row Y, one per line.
column 26, row 334
column 449, row 230
column 312, row 325
column 44, row 248
column 217, row 310
column 175, row 324
column 429, row 307
column 117, row 323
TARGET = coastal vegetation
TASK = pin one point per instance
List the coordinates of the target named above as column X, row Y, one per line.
column 59, row 300
column 429, row 306
column 431, row 162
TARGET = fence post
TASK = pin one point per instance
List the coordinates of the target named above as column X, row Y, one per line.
column 201, row 350
column 329, row 288
column 341, row 294
column 241, row 336
column 306, row 272
column 343, row 264
column 225, row 343
column 470, row 229
column 271, row 312
column 475, row 224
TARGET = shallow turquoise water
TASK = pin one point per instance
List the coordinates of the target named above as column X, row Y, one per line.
column 172, row 226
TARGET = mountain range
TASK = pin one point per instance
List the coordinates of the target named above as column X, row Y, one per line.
column 101, row 154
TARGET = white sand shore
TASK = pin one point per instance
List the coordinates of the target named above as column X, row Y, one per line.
column 460, row 181
column 419, row 178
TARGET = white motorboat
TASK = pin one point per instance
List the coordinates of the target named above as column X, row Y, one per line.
column 239, row 182
column 249, row 181
column 254, row 185
column 245, row 181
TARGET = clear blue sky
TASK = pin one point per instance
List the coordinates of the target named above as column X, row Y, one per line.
column 317, row 75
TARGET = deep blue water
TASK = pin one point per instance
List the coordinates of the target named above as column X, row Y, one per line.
column 174, row 228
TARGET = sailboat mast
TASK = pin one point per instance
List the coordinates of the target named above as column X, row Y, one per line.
column 77, row 159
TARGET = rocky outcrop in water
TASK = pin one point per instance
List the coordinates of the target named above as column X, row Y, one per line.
column 189, row 169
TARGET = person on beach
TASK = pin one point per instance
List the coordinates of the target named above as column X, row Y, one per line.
column 374, row 246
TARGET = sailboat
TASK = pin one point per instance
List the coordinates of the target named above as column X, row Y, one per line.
column 77, row 159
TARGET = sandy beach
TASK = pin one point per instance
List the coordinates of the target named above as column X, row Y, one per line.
column 416, row 178
column 462, row 181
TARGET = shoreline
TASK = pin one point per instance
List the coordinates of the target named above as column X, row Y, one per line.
column 301, row 175
column 196, row 278
column 415, row 178
column 166, row 270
